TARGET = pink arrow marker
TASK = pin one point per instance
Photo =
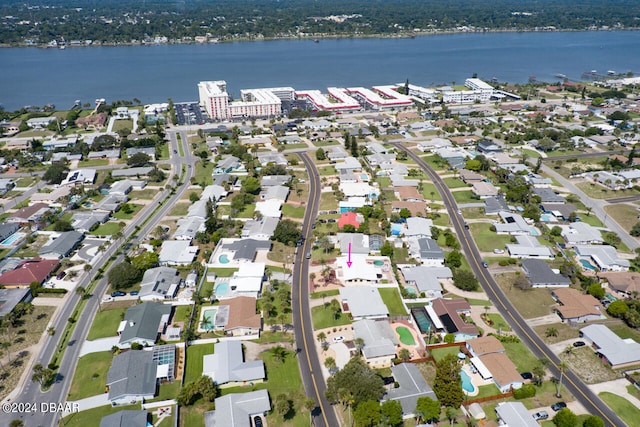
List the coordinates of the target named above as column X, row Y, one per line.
column 349, row 257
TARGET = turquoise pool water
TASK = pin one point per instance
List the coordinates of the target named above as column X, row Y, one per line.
column 222, row 289
column 12, row 239
column 586, row 264
column 209, row 314
column 534, row 232
column 546, row 217
column 378, row 263
column 424, row 324
column 467, row 385
column 410, row 290
column 223, row 259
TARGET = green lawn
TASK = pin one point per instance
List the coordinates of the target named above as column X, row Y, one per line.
column 520, row 356
column 324, row 317
column 146, row 194
column 293, row 211
column 122, row 124
column 92, row 417
column 498, row 322
column 180, row 209
column 435, row 162
column 486, row 239
column 107, row 229
column 442, row 220
column 597, row 191
column 135, row 208
column 106, row 323
column 203, row 173
column 391, row 298
column 93, row 162
column 91, row 375
column 440, row 353
column 621, row 406
column 327, row 170
column 325, row 143
column 328, row 201
column 591, row 219
column 430, row 192
column 182, row 313
column 465, row 196
column 325, row 294
column 223, row 272
column 454, row 183
column 247, row 212
column 194, row 361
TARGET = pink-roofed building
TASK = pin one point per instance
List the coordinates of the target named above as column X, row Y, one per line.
column 348, row 218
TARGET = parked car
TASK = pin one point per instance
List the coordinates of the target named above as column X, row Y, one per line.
column 526, row 375
column 579, row 344
column 339, row 338
column 118, row 294
column 107, row 299
column 558, row 406
column 307, row 255
column 61, row 275
column 542, row 415
column 134, row 293
column 498, row 251
column 257, row 421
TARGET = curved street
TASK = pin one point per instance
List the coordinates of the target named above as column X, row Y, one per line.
column 310, row 368
column 571, row 381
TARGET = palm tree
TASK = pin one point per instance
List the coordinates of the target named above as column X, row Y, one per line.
column 81, row 291
column 279, row 353
column 551, row 332
column 51, row 331
column 310, row 405
column 322, row 337
column 359, row 343
column 206, row 323
column 562, row 367
column 330, row 363
column 404, row 354
column 5, row 346
column 346, row 397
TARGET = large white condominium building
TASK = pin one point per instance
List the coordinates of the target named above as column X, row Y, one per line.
column 253, row 103
column 479, row 92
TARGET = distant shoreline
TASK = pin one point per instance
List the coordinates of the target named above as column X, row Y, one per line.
column 316, row 37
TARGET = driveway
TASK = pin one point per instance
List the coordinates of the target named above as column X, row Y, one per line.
column 544, row 320
column 342, row 354
column 102, row 344
column 91, row 402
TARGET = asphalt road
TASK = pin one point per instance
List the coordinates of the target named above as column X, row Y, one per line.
column 310, row 368
column 585, row 155
column 583, row 394
column 60, row 389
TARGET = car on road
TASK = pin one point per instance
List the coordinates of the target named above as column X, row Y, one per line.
column 134, row 293
column 484, row 264
column 459, row 212
column 257, row 421
column 498, row 251
column 175, row 151
column 307, row 255
column 558, row 406
column 526, row 375
column 542, row 415
column 118, row 294
column 107, row 299
column 579, row 344
column 339, row 338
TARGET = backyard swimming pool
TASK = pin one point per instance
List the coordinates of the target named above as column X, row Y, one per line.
column 12, row 239
column 222, row 289
column 208, row 319
column 223, row 259
column 586, row 264
column 467, row 385
column 378, row 263
column 422, row 319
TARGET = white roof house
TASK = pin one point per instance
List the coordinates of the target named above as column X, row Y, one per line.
column 427, row 279
column 616, row 351
column 578, row 233
column 418, row 227
column 238, row 409
column 359, row 243
column 159, row 283
column 515, row 414
column 512, row 224
column 227, row 367
column 262, row 229
column 188, row 228
column 360, row 189
column 605, row 256
column 269, row 208
column 177, row 252
column 380, row 341
column 247, row 281
column 80, row 176
column 360, row 272
column 529, row 247
column 364, row 302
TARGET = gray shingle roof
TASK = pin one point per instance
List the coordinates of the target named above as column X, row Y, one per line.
column 236, row 409
column 127, row 418
column 379, row 338
column 412, row 386
column 143, row 321
column 227, row 364
column 62, row 245
column 132, row 373
column 247, row 248
column 539, row 273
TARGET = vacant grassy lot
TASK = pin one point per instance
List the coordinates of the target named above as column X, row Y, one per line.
column 591, row 219
column 293, row 211
column 486, row 239
column 430, row 192
column 106, row 323
column 435, row 162
column 121, row 214
column 180, row 209
column 621, row 406
column 520, row 356
column 441, row 353
column 90, row 376
column 465, row 196
column 498, row 322
column 391, row 298
column 585, row 363
column 195, row 353
column 107, row 229
column 529, row 303
column 625, row 215
column 565, row 332
column 325, row 318
column 203, row 173
column 328, row 201
column 454, row 183
column 597, row 191
column 327, row 170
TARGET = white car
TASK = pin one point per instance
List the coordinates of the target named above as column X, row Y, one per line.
column 498, row 251
column 107, row 299
column 338, row 339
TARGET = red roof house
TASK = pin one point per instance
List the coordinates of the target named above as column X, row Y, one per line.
column 348, row 218
column 29, row 271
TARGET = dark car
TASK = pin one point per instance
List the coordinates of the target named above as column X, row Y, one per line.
column 257, row 421
column 526, row 375
column 579, row 344
column 118, row 294
column 558, row 406
column 175, row 151
column 485, row 265
column 134, row 293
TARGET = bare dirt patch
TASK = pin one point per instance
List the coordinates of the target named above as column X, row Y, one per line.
column 565, row 332
column 586, row 364
column 529, row 303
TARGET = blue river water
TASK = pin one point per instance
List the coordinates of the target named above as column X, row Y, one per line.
column 35, row 76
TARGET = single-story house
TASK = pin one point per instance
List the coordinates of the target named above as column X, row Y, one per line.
column 227, row 368
column 576, row 307
column 177, row 252
column 489, row 357
column 613, row 350
column 513, row 224
column 238, row 409
column 261, row 229
column 132, row 378
column 625, row 283
column 581, row 233
column 27, row 214
column 529, row 247
column 159, row 283
column 363, row 302
column 9, row 298
column 605, row 257
column 418, row 227
column 515, row 414
column 449, row 312
column 143, row 323
column 237, row 316
column 540, row 275
column 380, row 341
column 360, row 272
column 28, row 271
column 60, row 245
column 126, row 418
column 427, row 251
column 411, row 387
column 484, row 189
column 427, row 279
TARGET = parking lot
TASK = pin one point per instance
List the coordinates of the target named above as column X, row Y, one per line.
column 190, row 114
